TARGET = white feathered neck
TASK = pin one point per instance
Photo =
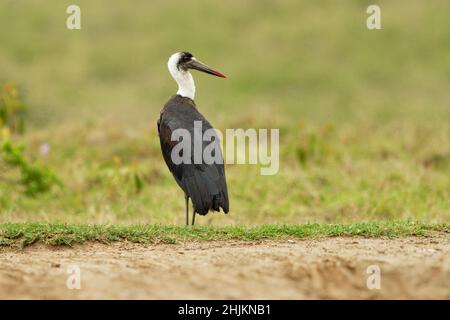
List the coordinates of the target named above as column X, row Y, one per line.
column 184, row 79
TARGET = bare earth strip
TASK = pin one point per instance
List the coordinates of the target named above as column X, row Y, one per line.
column 302, row 269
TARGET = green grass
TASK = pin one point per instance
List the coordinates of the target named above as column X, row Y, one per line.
column 363, row 115
column 24, row 234
column 328, row 174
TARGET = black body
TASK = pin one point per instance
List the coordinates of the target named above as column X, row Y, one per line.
column 204, row 183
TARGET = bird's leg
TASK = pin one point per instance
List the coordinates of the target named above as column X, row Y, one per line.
column 193, row 218
column 187, row 210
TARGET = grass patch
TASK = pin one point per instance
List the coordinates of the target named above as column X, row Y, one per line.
column 24, row 234
column 362, row 138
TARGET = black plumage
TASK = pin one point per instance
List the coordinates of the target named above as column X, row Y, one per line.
column 203, row 183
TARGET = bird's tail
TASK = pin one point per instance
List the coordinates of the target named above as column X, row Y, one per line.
column 206, row 194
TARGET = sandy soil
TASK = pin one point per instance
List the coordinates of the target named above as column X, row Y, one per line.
column 326, row 268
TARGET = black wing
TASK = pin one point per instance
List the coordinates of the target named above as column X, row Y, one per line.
column 204, row 183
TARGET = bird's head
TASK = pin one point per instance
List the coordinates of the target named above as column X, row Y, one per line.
column 181, row 62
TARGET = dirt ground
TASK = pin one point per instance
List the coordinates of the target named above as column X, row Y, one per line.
column 284, row 269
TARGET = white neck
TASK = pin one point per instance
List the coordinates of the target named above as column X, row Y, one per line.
column 186, row 85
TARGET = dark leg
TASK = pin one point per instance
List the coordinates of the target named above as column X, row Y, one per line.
column 187, row 210
column 193, row 218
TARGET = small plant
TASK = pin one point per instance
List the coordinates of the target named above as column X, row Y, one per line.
column 315, row 145
column 12, row 108
column 124, row 177
column 35, row 178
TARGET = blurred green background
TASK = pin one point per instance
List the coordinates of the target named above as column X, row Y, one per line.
column 364, row 116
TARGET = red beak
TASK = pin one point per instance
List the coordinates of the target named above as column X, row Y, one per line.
column 197, row 65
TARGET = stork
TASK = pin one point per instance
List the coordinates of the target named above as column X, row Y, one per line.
column 204, row 183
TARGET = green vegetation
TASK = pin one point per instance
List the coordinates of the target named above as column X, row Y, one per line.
column 12, row 108
column 23, row 234
column 35, row 179
column 364, row 115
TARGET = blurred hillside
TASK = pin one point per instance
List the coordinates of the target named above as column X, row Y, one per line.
column 301, row 60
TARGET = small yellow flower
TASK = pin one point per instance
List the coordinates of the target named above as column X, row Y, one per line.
column 117, row 160
column 6, row 133
column 13, row 93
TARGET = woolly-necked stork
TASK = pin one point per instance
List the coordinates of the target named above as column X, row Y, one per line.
column 204, row 183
